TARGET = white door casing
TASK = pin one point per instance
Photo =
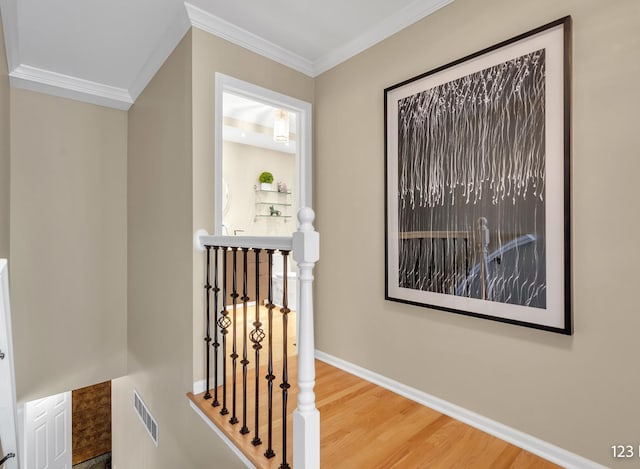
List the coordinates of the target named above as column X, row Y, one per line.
column 8, row 429
column 48, row 432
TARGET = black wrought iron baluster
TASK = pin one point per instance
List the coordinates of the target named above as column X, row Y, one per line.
column 257, row 336
column 270, row 453
column 224, row 322
column 207, row 339
column 216, row 344
column 285, row 371
column 234, row 354
column 245, row 298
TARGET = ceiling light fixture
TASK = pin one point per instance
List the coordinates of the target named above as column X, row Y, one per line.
column 281, row 126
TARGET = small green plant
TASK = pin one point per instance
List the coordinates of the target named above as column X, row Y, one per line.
column 266, row 177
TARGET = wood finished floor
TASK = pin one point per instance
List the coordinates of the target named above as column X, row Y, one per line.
column 364, row 426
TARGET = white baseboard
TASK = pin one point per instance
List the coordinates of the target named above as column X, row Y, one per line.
column 199, row 386
column 222, row 436
column 527, row 442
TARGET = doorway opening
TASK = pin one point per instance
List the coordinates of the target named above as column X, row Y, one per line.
column 71, row 429
column 262, row 160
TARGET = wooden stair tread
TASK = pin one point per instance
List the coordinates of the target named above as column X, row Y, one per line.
column 256, row 453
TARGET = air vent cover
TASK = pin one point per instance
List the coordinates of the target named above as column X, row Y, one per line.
column 147, row 419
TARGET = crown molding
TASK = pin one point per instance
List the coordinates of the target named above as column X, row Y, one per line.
column 162, row 51
column 412, row 13
column 45, row 81
column 65, row 86
column 218, row 27
column 9, row 12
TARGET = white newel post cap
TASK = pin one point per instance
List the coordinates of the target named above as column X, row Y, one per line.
column 306, row 241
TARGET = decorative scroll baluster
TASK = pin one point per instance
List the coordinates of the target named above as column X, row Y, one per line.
column 257, row 336
column 244, row 430
column 285, row 371
column 234, row 354
column 216, row 344
column 207, row 339
column 224, row 323
column 270, row 376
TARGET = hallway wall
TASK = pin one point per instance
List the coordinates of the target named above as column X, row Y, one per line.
column 576, row 392
column 68, row 243
column 159, row 184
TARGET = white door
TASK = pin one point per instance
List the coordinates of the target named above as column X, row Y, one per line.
column 8, row 440
column 48, row 432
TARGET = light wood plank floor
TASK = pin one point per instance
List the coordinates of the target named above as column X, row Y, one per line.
column 364, row 426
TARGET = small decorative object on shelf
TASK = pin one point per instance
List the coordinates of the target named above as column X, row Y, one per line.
column 273, row 212
column 265, row 178
column 272, row 204
column 282, row 187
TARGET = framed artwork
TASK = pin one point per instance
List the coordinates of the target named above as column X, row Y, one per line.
column 477, row 183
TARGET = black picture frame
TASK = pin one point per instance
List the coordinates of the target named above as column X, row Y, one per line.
column 478, row 183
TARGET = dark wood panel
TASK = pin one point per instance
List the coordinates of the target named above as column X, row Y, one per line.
column 91, row 422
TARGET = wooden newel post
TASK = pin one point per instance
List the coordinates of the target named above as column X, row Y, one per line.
column 306, row 418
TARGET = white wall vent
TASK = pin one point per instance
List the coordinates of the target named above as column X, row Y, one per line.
column 143, row 412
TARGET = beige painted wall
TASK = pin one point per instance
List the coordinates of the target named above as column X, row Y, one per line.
column 160, row 282
column 577, row 392
column 68, row 243
column 212, row 54
column 4, row 150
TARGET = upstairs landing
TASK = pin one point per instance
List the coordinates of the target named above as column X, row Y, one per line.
column 364, row 426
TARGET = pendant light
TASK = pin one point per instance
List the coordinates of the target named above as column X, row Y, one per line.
column 281, row 126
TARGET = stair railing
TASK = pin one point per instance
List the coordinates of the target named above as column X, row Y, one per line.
column 221, row 320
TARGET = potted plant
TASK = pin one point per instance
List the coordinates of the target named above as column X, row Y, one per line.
column 265, row 178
